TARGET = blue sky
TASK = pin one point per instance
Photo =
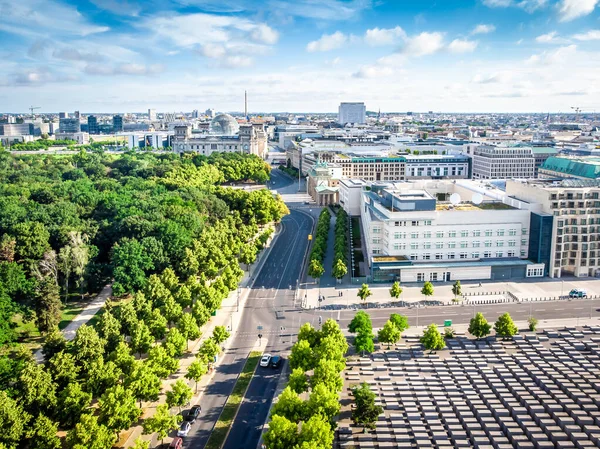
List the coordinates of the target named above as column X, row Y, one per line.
column 300, row 55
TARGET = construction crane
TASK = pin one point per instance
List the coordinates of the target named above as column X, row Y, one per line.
column 579, row 110
column 32, row 108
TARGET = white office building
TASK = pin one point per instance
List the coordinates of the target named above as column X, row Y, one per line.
column 355, row 113
column 491, row 162
column 428, row 231
column 152, row 115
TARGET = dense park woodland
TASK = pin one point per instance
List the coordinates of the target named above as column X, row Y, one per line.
column 169, row 234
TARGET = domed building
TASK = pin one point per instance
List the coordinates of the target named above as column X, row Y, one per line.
column 224, row 125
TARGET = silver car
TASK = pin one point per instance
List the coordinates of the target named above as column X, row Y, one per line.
column 184, row 429
column 266, row 359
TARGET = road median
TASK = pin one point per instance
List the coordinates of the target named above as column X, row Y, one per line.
column 230, row 410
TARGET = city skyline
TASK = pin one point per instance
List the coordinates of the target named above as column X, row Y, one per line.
column 475, row 56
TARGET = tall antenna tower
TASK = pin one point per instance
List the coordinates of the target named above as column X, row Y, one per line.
column 246, row 104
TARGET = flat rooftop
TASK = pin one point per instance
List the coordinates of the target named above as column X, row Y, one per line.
column 495, row 205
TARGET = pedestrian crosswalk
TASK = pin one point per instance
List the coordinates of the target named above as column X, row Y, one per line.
column 300, row 197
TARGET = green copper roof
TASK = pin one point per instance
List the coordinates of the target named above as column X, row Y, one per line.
column 580, row 167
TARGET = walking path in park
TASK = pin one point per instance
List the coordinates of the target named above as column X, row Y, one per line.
column 229, row 316
column 84, row 316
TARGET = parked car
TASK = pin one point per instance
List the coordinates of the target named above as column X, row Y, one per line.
column 275, row 361
column 577, row 293
column 177, row 443
column 184, row 429
column 193, row 414
column 266, row 359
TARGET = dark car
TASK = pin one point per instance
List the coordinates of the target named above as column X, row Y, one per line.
column 275, row 361
column 193, row 414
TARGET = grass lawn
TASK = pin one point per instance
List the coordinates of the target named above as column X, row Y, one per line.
column 219, row 433
column 70, row 311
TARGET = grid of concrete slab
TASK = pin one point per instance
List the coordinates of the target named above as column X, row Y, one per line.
column 537, row 390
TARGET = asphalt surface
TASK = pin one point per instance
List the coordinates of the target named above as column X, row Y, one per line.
column 268, row 303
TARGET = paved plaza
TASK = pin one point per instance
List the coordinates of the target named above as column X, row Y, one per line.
column 539, row 390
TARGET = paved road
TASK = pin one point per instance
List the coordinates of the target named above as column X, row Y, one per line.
column 271, row 304
column 542, row 310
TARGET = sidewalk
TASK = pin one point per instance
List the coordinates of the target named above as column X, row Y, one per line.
column 229, row 316
column 84, row 316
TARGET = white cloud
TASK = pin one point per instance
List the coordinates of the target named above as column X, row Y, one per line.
column 384, row 36
column 214, row 51
column 373, row 72
column 123, row 69
column 483, row 29
column 328, row 42
column 527, row 5
column 320, row 9
column 498, row 77
column 264, row 34
column 37, row 76
column 572, row 9
column 551, row 38
column 424, row 44
column 462, row 46
column 559, row 56
column 45, row 18
column 591, row 35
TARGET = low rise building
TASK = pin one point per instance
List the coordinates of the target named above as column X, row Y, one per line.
column 501, row 162
column 570, row 167
column 16, row 129
column 69, row 125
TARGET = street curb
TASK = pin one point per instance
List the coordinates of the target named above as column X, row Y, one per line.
column 282, row 382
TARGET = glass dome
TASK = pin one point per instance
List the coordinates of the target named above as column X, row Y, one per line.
column 224, row 125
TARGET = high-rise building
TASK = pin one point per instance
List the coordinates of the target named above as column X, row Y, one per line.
column 63, row 115
column 152, row 114
column 93, row 125
column 69, row 125
column 352, row 113
column 210, row 113
column 117, row 123
column 77, row 115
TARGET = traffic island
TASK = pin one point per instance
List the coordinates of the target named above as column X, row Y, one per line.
column 230, row 410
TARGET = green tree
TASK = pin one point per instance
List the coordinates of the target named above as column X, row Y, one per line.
column 188, row 328
column 175, row 343
column 316, row 431
column 505, row 326
column 220, row 334
column 37, row 389
column 102, row 375
column 427, row 289
column 396, row 290
column 13, row 421
column 432, row 339
column 400, row 321
column 362, row 320
column 200, row 313
column 88, row 434
column 323, row 401
column 122, row 358
column 141, row 444
column 171, row 310
column 309, row 333
column 47, row 304
column 44, row 433
column 365, row 412
column 130, row 262
column 87, row 345
column 364, row 292
column 109, row 328
column 289, row 405
column 363, row 342
column 157, row 324
column 301, row 356
column 209, row 349
column 532, row 322
column 143, row 382
column 63, row 368
column 456, row 289
column 31, row 240
column 195, row 371
column 478, row 326
column 161, row 423
column 53, row 343
column 141, row 338
column 282, row 433
column 298, row 381
column 339, row 269
column 389, row 334
column 73, row 402
column 161, row 363
column 315, row 269
column 179, row 395
column 118, row 409
column 327, row 374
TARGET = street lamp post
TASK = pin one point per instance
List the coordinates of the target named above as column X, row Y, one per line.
column 562, row 288
column 238, row 299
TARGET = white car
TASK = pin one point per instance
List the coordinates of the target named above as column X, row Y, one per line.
column 266, row 359
column 184, row 429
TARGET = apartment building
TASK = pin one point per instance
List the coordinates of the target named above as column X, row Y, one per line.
column 414, row 234
column 566, row 223
column 492, row 162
